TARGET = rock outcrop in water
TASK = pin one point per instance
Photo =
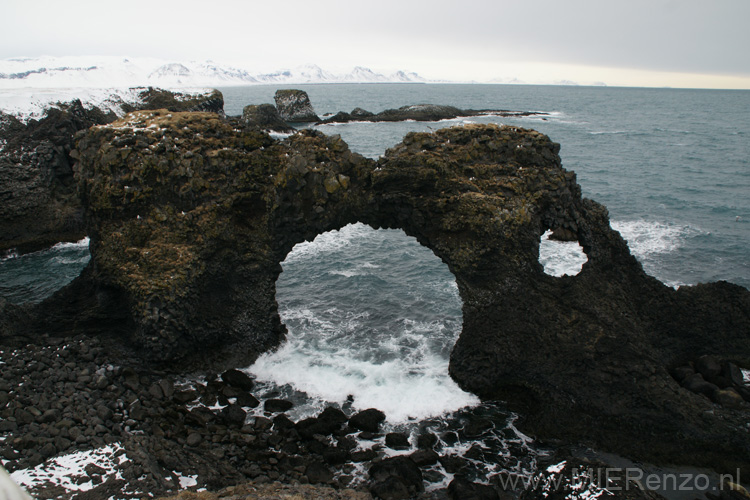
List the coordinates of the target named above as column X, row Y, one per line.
column 294, row 106
column 189, row 219
column 422, row 113
column 39, row 205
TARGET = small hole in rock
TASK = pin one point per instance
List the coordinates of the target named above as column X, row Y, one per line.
column 560, row 258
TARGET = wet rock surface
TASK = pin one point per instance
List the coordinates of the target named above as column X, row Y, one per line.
column 189, row 218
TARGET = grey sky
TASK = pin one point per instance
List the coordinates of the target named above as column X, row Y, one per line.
column 573, row 39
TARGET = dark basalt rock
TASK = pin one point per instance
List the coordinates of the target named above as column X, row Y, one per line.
column 264, row 117
column 367, row 420
column 39, row 203
column 189, row 219
column 421, row 113
column 294, row 106
column 719, row 380
column 397, row 441
column 463, row 489
column 395, row 478
column 238, row 379
column 277, row 405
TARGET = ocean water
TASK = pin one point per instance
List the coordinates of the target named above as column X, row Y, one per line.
column 31, row 277
column 372, row 316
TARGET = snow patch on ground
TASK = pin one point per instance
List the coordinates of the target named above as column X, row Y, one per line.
column 69, row 471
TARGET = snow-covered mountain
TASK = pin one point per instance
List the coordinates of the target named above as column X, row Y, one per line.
column 100, row 72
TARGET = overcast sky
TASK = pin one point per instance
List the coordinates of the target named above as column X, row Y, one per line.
column 693, row 43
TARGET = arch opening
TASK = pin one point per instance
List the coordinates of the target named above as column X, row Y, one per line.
column 561, row 257
column 372, row 318
column 30, row 278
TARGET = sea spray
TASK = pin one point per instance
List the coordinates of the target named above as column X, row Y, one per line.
column 372, row 318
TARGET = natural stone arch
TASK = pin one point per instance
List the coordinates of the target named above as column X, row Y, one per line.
column 341, row 278
column 190, row 217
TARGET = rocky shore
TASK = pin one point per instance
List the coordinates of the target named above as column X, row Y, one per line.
column 83, row 419
column 190, row 215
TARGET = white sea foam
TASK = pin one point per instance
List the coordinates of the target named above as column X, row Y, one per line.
column 402, row 376
column 392, row 355
column 650, row 238
column 561, row 258
column 746, row 376
column 327, row 242
column 80, row 244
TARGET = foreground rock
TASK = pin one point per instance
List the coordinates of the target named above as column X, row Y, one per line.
column 189, row 219
column 39, row 204
column 421, row 113
column 264, row 117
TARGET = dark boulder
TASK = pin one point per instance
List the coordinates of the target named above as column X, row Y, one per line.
column 463, row 489
column 426, row 440
column 708, row 366
column 395, row 478
column 318, row 473
column 732, row 373
column 425, row 457
column 39, row 205
column 264, row 117
column 397, row 441
column 277, row 405
column 329, row 421
column 233, row 415
column 697, row 384
column 294, row 106
column 360, row 113
column 682, row 372
column 729, row 398
column 367, row 420
column 238, row 379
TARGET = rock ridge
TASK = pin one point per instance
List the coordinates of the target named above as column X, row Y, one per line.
column 422, row 113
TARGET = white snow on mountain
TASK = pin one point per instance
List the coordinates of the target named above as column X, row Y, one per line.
column 108, row 72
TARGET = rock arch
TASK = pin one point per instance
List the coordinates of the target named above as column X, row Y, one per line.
column 189, row 218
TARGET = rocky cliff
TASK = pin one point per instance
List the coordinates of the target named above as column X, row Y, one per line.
column 39, row 205
column 190, row 217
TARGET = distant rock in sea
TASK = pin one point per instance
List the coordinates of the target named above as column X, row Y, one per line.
column 294, row 106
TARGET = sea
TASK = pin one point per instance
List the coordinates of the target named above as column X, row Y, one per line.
column 372, row 315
